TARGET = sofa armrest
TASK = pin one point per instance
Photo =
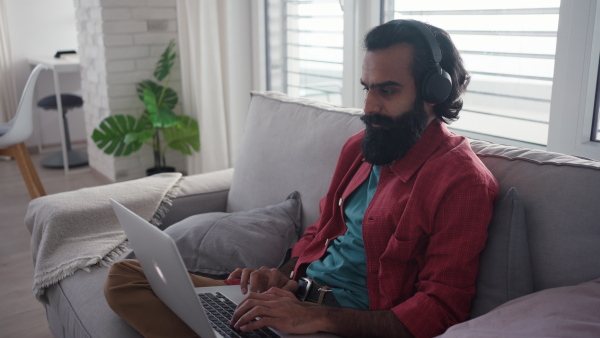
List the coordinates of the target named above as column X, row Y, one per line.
column 198, row 194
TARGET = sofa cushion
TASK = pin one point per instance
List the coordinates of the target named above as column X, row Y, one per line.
column 504, row 268
column 561, row 195
column 289, row 144
column 568, row 311
column 217, row 243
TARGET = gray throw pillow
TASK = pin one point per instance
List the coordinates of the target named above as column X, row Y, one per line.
column 505, row 266
column 217, row 243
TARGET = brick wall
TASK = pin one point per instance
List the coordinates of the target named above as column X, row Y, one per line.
column 120, row 42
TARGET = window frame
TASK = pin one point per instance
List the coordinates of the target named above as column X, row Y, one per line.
column 596, row 118
column 359, row 17
column 575, row 80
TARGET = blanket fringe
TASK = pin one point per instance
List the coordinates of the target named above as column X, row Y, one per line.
column 164, row 206
column 112, row 256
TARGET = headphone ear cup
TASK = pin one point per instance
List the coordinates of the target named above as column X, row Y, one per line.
column 436, row 87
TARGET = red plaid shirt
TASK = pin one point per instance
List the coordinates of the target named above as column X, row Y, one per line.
column 423, row 230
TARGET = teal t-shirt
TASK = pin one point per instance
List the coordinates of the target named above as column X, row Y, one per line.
column 344, row 266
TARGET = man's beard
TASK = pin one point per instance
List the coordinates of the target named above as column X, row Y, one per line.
column 394, row 137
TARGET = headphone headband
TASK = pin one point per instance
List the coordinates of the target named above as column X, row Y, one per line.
column 437, row 84
column 434, row 46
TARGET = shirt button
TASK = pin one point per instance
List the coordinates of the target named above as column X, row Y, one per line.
column 292, row 275
column 340, row 202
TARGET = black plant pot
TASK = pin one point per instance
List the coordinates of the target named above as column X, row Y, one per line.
column 158, row 170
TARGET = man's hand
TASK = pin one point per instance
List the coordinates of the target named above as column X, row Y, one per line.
column 262, row 280
column 281, row 310
column 278, row 309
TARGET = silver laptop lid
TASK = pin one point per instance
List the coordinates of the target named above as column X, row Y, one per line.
column 164, row 269
column 160, row 259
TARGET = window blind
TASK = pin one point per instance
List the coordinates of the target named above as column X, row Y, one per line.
column 305, row 48
column 508, row 48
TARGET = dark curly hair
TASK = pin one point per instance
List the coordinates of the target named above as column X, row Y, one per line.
column 398, row 32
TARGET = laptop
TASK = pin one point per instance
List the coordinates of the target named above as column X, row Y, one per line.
column 169, row 279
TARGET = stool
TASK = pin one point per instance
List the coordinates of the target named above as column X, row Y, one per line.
column 75, row 158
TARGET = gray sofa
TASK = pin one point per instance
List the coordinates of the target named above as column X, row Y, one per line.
column 545, row 234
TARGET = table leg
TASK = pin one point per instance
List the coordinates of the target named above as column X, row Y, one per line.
column 59, row 109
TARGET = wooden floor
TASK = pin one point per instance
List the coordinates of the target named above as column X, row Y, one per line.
column 20, row 314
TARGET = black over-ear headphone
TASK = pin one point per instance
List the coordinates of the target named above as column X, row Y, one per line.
column 437, row 84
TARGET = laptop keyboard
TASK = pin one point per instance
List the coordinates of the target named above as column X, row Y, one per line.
column 220, row 310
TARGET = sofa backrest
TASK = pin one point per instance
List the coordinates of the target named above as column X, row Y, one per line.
column 289, row 144
column 292, row 144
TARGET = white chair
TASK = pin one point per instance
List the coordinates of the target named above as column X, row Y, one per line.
column 16, row 131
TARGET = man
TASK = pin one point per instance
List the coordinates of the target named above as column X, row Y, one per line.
column 397, row 243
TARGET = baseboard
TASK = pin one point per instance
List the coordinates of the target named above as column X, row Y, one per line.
column 52, row 147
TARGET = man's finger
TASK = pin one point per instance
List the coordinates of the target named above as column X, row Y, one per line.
column 248, row 303
column 235, row 274
column 279, row 292
column 258, row 281
column 244, row 279
column 259, row 323
column 274, row 278
column 291, row 286
column 259, row 309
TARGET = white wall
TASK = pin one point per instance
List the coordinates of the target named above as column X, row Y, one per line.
column 40, row 28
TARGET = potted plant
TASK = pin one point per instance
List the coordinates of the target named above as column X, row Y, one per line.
column 159, row 126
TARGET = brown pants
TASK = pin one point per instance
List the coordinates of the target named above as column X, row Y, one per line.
column 128, row 293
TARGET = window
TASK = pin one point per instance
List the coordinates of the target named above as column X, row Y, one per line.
column 534, row 63
column 508, row 48
column 314, row 47
column 305, row 42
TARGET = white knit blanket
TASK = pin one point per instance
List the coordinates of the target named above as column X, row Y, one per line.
column 77, row 229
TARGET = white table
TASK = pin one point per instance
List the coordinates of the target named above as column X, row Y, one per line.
column 65, row 65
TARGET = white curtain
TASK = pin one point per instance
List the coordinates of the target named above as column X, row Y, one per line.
column 215, row 48
column 8, row 89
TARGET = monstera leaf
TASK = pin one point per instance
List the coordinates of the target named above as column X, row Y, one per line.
column 159, row 115
column 166, row 62
column 113, row 131
column 185, row 136
column 169, row 98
